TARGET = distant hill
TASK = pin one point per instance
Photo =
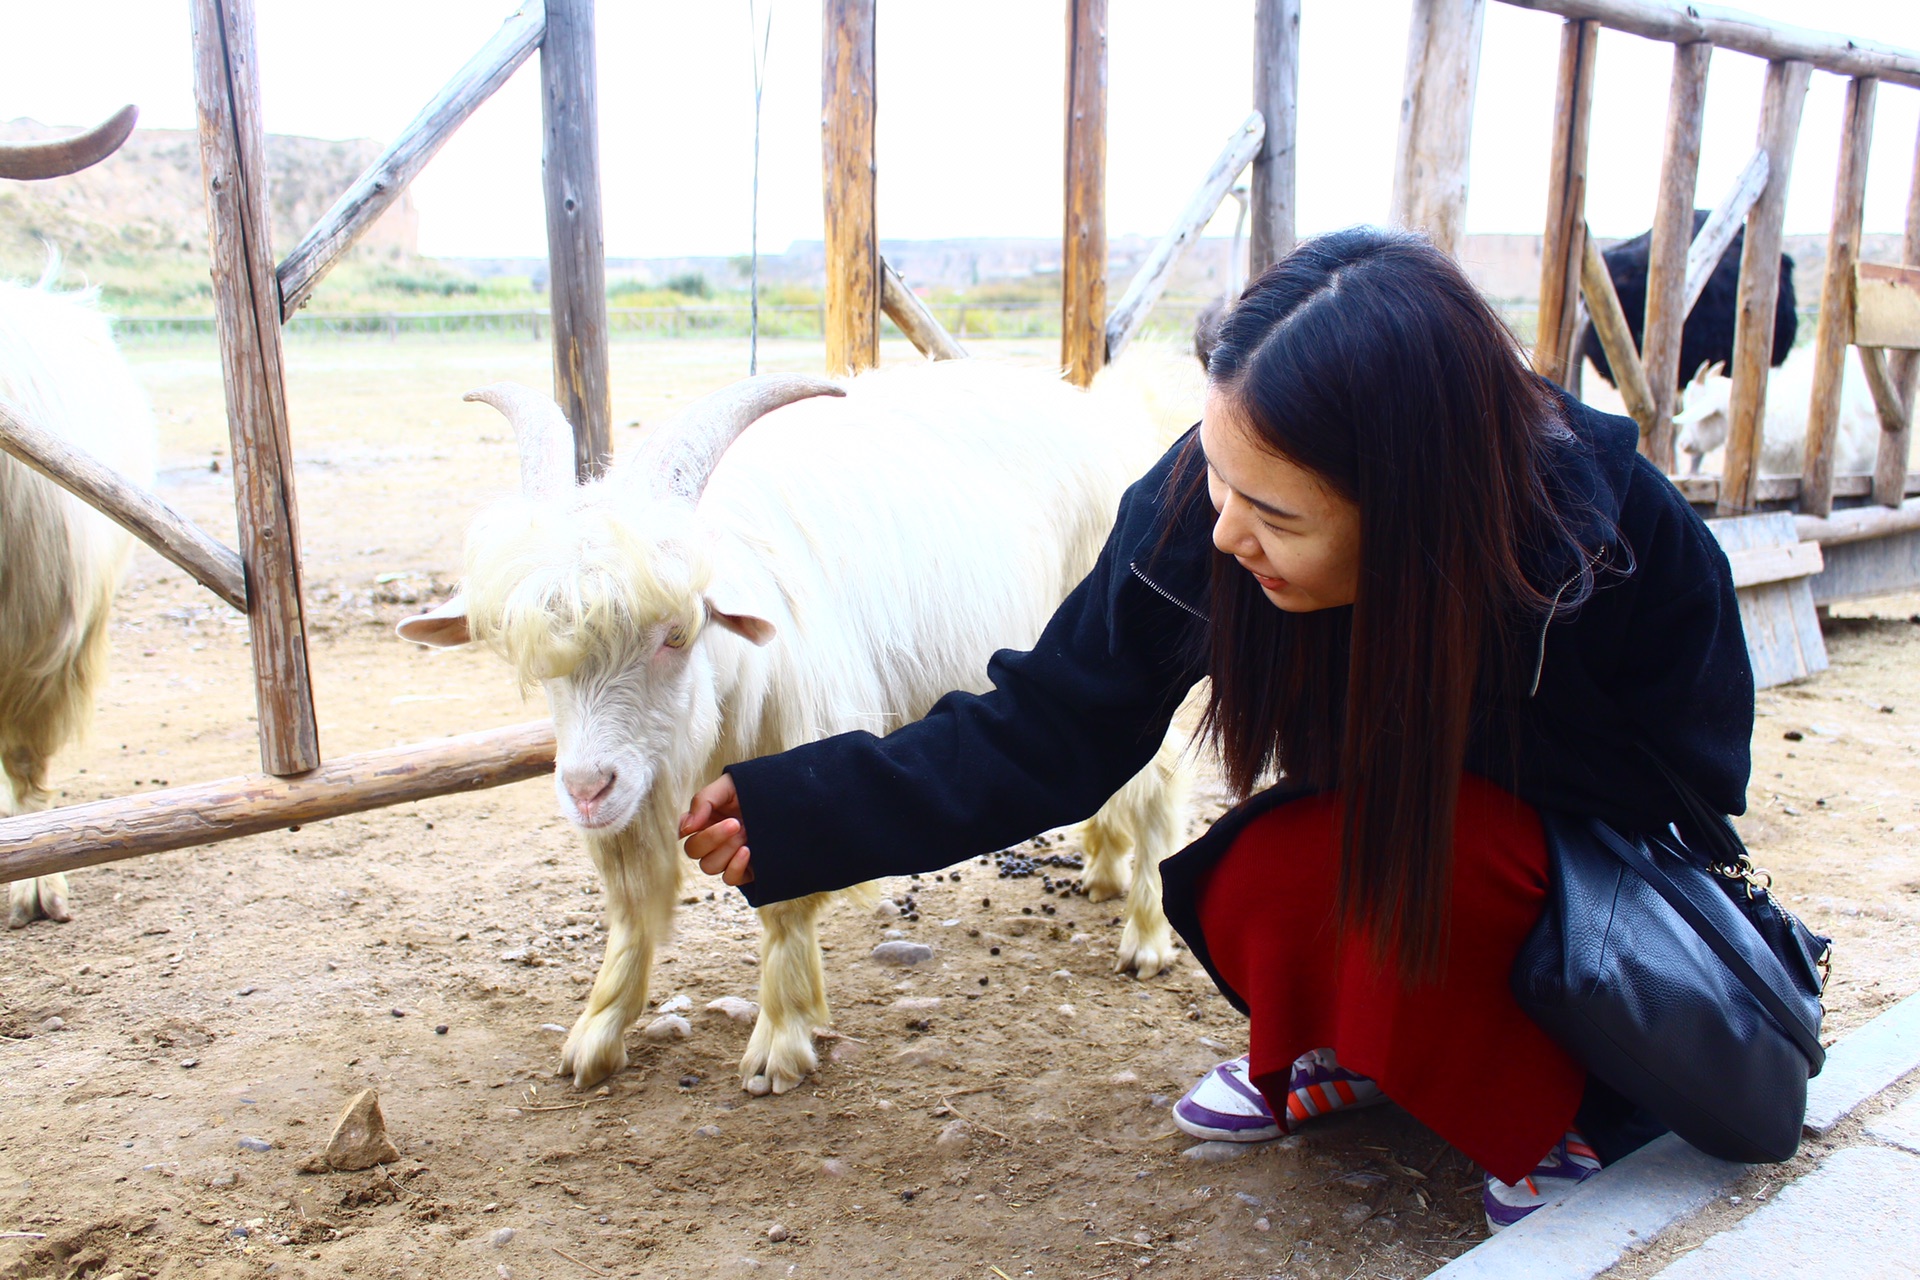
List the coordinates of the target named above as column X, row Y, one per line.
column 145, row 202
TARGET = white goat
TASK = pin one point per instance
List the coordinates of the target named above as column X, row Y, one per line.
column 1701, row 425
column 845, row 564
column 60, row 560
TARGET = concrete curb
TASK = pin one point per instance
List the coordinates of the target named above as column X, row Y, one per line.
column 1630, row 1202
column 1863, row 1064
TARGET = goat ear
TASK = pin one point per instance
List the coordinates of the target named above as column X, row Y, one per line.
column 747, row 626
column 444, row 627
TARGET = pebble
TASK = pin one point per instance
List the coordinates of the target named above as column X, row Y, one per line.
column 440, row 1030
column 553, row 1026
column 916, row 1004
column 1220, row 1152
column 777, row 1233
column 678, row 1004
column 1067, row 1011
column 221, row 1181
column 359, row 1139
column 1251, row 1201
column 834, row 1168
column 1261, row 1224
column 670, row 1026
column 1160, row 1100
column 925, row 1054
column 246, row 991
column 398, row 1013
column 189, row 1063
column 954, row 1133
column 708, row 1131
column 255, row 1144
column 735, row 1008
column 688, row 1081
column 1064, row 975
column 902, row 953
column 53, row 1024
column 501, row 1238
column 1123, row 1077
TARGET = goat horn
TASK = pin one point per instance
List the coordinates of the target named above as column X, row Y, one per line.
column 679, row 458
column 546, row 441
column 29, row 160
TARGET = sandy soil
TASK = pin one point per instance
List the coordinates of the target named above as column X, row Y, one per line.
column 215, row 1008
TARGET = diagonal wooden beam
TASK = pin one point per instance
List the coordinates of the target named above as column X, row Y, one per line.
column 1150, row 281
column 1610, row 326
column 375, row 190
column 212, row 564
column 1722, row 225
column 923, row 330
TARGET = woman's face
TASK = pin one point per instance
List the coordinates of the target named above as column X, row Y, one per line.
column 1299, row 540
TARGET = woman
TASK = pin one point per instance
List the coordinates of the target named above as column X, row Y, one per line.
column 1434, row 595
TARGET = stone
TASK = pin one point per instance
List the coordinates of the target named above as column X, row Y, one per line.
column 224, row 1181
column 777, row 1233
column 255, row 1145
column 669, row 1026
column 1123, row 1078
column 1863, row 1064
column 1851, row 1217
column 502, row 1238
column 1067, row 1011
column 834, row 1168
column 954, row 1135
column 708, row 1131
column 900, row 952
column 54, row 1024
column 678, row 1004
column 553, row 1027
column 916, row 1004
column 1221, row 1152
column 735, row 1008
column 359, row 1139
column 928, row 1053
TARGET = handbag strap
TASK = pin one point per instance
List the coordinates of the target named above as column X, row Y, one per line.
column 1706, row 823
column 1637, row 857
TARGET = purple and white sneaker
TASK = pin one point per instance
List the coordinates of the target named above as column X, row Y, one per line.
column 1570, row 1163
column 1225, row 1107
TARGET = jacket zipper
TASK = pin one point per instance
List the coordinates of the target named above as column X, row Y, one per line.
column 1165, row 594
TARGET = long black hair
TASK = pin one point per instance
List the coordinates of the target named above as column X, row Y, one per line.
column 1368, row 358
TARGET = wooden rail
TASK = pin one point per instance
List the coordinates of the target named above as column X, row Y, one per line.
column 1271, row 191
column 853, row 292
column 1150, row 281
column 576, row 252
column 1904, row 370
column 246, row 300
column 914, row 319
column 375, row 190
column 212, row 564
column 83, row 835
column 1742, row 33
column 1083, row 254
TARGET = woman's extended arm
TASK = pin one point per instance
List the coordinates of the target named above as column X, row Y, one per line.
column 1066, row 724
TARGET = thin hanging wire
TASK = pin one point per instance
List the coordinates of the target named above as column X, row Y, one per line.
column 765, row 31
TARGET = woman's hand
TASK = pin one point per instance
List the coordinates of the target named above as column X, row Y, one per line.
column 715, row 835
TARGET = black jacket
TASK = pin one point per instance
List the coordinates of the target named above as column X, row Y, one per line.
column 1654, row 655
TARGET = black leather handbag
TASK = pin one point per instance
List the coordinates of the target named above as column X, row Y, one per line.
column 1673, row 975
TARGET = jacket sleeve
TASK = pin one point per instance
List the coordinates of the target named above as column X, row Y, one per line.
column 1685, row 675
column 1064, row 726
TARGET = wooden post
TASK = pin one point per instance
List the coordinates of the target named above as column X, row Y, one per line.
column 1890, row 468
column 577, row 273
column 1785, row 95
column 246, row 303
column 1436, row 119
column 1083, row 252
column 1276, row 91
column 1562, row 247
column 84, row 835
column 1672, row 236
column 853, row 238
column 1835, row 330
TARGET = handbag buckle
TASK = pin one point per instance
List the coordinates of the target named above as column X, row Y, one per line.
column 1758, row 879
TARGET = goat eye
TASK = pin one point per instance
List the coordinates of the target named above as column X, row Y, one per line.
column 676, row 637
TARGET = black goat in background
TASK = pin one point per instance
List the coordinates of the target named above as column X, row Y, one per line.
column 1708, row 334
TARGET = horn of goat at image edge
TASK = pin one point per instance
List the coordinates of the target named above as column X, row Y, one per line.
column 83, row 835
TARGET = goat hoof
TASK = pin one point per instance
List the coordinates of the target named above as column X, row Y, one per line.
column 1149, row 955
column 44, row 898
column 777, row 1060
column 1103, row 888
column 595, row 1049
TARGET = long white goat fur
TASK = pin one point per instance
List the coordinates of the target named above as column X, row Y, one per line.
column 59, row 559
column 895, row 538
column 1703, row 422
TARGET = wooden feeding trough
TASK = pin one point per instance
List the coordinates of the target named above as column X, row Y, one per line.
column 1790, row 547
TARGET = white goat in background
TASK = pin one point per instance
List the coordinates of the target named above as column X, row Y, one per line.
column 1702, row 424
column 846, row 563
column 60, row 560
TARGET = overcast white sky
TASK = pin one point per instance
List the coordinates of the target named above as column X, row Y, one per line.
column 970, row 106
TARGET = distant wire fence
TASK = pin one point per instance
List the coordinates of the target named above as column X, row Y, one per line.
column 720, row 320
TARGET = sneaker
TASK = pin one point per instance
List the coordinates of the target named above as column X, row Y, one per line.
column 1225, row 1107
column 1570, row 1163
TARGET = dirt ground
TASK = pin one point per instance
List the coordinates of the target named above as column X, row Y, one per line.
column 171, row 1056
